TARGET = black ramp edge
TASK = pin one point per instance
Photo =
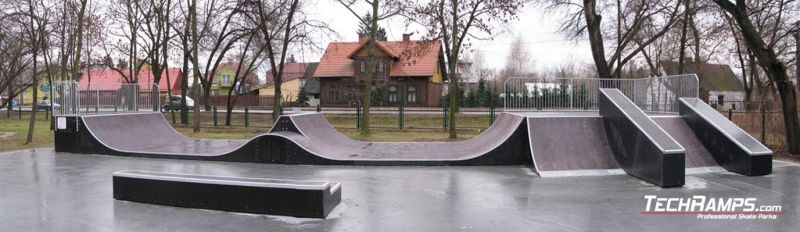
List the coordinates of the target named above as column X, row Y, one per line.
column 733, row 148
column 505, row 142
column 147, row 135
column 641, row 147
column 295, row 139
column 233, row 194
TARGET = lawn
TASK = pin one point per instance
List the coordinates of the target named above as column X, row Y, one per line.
column 14, row 130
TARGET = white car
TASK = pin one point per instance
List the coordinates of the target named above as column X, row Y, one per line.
column 174, row 103
column 45, row 105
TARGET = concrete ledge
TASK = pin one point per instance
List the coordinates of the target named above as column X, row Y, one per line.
column 233, row 194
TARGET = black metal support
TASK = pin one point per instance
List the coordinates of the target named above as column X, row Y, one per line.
column 246, row 117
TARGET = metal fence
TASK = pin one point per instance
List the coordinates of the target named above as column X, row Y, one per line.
column 70, row 97
column 657, row 94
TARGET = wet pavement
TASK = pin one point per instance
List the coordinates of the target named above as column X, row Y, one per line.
column 41, row 190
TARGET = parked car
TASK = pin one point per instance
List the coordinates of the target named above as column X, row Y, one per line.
column 174, row 103
column 45, row 105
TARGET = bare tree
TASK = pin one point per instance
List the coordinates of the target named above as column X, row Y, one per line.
column 518, row 61
column 380, row 11
column 585, row 17
column 456, row 22
column 772, row 66
column 15, row 57
column 34, row 22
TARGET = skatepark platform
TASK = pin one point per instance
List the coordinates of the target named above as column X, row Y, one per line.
column 620, row 138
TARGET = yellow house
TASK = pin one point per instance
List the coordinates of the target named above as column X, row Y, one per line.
column 292, row 81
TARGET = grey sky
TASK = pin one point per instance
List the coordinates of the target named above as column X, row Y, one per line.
column 546, row 46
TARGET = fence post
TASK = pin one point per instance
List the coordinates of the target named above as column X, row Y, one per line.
column 763, row 125
column 97, row 101
column 319, row 108
column 730, row 114
column 215, row 115
column 8, row 109
column 491, row 115
column 400, row 117
column 246, row 116
column 444, row 119
column 358, row 115
column 19, row 109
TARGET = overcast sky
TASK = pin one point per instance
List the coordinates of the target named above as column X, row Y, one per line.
column 547, row 47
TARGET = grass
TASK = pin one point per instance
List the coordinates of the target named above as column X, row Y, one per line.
column 42, row 136
column 377, row 135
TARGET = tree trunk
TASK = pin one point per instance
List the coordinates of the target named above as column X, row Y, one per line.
column 774, row 68
column 185, row 76
column 686, row 18
column 370, row 72
column 596, row 39
column 453, row 92
column 196, row 67
column 76, row 64
column 797, row 55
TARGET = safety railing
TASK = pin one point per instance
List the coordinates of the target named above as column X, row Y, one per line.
column 70, row 97
column 656, row 94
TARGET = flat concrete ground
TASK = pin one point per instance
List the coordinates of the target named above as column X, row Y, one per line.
column 41, row 190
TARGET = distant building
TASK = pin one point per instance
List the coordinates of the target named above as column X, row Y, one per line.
column 224, row 78
column 407, row 72
column 718, row 83
column 109, row 79
column 294, row 76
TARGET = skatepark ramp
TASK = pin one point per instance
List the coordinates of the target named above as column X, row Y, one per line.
column 733, row 148
column 641, row 147
column 617, row 138
column 310, row 139
column 294, row 139
column 143, row 135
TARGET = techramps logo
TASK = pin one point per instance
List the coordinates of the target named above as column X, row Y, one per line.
column 711, row 208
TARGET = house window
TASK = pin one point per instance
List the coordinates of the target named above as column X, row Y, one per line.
column 333, row 94
column 226, row 80
column 411, row 94
column 392, row 93
column 363, row 65
column 379, row 66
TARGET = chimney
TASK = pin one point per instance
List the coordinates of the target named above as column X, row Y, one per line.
column 407, row 37
column 362, row 38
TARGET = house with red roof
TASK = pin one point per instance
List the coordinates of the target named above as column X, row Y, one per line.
column 407, row 72
column 111, row 80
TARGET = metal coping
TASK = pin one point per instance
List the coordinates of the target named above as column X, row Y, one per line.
column 644, row 116
column 224, row 180
column 714, row 121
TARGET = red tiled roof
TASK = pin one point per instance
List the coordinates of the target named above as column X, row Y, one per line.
column 380, row 45
column 108, row 79
column 415, row 58
column 291, row 71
